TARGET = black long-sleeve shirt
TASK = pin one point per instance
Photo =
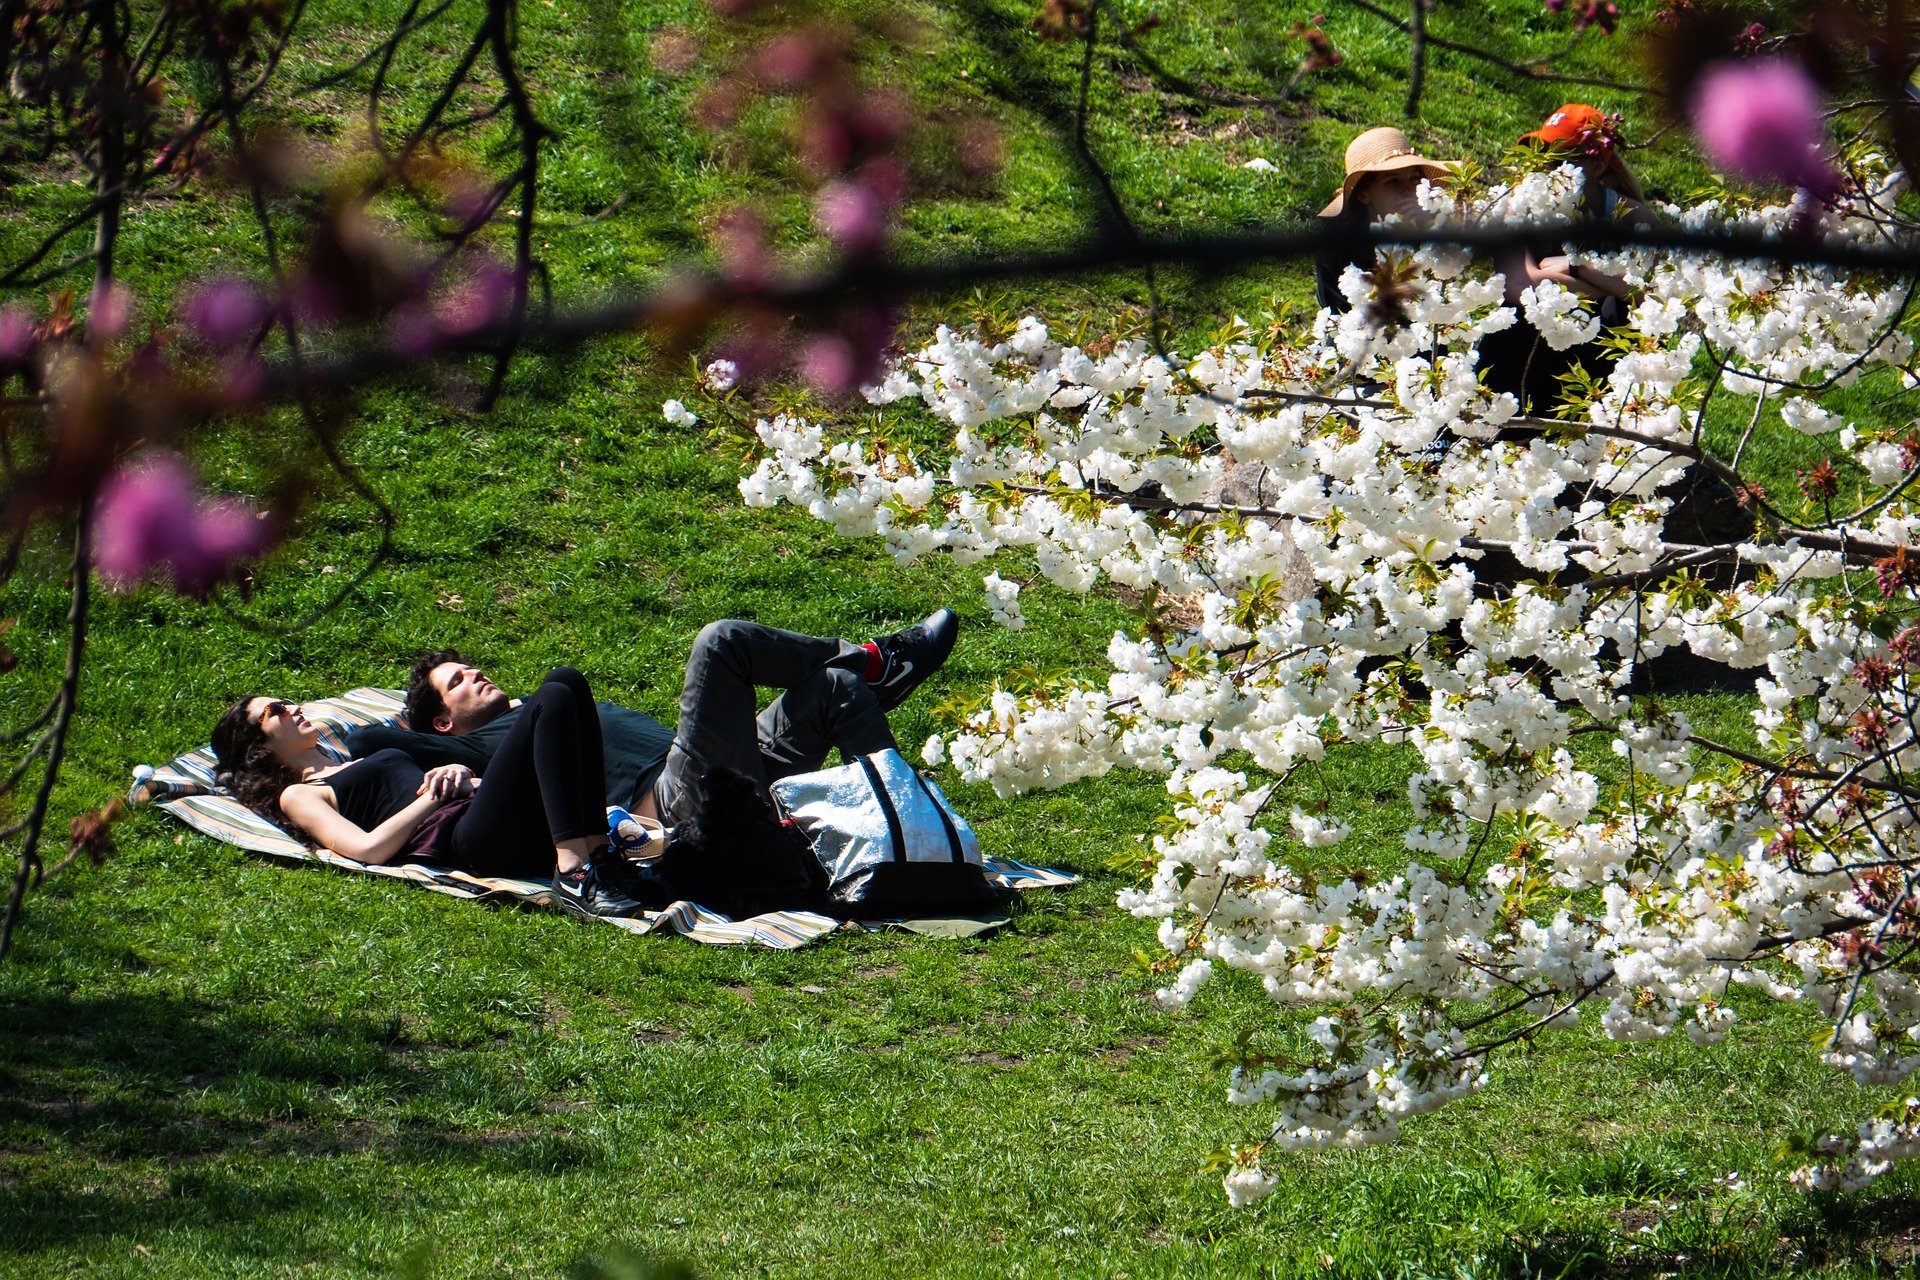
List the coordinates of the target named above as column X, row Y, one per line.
column 634, row 742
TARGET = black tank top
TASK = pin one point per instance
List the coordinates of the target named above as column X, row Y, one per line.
column 370, row 791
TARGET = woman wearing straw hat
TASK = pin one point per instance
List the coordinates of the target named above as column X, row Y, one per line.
column 1383, row 175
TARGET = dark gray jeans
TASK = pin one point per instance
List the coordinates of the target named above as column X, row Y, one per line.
column 826, row 703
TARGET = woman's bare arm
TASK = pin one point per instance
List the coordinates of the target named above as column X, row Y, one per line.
column 313, row 807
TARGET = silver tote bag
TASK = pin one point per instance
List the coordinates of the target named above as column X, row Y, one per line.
column 872, row 810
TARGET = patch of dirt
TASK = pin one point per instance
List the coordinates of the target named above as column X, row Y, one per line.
column 743, row 990
column 1002, row 1060
column 655, row 1033
column 1633, row 1220
column 880, row 971
column 1180, row 120
column 62, row 1111
column 1124, row 1051
column 1181, row 612
column 506, row 1137
column 318, row 1138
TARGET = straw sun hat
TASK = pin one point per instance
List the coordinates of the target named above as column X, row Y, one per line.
column 1381, row 150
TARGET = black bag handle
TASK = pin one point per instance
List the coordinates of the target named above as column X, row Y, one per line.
column 953, row 836
column 886, row 807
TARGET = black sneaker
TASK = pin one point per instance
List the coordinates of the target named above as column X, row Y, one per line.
column 642, row 881
column 585, row 892
column 910, row 656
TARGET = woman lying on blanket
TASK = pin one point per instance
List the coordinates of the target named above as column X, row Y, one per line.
column 542, row 810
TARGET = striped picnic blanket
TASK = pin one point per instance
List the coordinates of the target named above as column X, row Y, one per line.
column 184, row 787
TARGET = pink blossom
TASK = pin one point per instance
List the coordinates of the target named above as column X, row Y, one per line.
column 828, row 363
column 1869, row 729
column 882, row 118
column 1760, row 120
column 413, row 331
column 145, row 517
column 791, row 59
column 109, row 311
column 855, row 215
column 1897, row 572
column 741, row 241
column 1599, row 13
column 480, row 300
column 151, row 518
column 825, row 143
column 838, row 363
column 224, row 312
column 469, row 200
column 980, row 149
column 228, row 530
column 16, row 334
column 888, row 176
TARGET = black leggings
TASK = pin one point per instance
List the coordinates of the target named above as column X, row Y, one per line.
column 545, row 784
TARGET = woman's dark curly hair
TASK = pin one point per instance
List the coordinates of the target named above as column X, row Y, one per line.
column 244, row 764
column 735, row 855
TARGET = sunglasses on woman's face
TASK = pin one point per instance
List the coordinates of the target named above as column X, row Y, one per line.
column 273, row 708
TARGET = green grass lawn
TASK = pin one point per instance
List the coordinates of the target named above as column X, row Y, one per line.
column 211, row 1065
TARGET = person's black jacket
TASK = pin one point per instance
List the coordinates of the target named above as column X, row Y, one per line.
column 635, row 745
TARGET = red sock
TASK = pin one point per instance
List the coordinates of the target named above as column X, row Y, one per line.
column 876, row 666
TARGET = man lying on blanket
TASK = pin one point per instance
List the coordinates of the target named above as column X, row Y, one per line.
column 708, row 781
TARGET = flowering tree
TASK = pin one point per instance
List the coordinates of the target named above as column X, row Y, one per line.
column 1345, row 537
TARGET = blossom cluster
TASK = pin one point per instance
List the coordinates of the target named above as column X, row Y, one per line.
column 1366, row 543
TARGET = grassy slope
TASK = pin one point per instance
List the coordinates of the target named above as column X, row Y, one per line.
column 213, row 1066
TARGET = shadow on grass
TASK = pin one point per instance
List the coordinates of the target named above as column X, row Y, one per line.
column 1859, row 1228
column 1857, row 1235
column 124, row 1114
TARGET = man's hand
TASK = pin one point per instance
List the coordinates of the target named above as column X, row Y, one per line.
column 447, row 782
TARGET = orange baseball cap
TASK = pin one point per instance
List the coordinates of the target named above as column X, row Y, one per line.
column 1572, row 124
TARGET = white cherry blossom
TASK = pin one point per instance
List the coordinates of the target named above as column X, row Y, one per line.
column 1348, row 538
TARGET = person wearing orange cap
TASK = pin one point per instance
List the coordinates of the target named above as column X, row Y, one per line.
column 1590, row 138
column 1518, row 360
column 1383, row 176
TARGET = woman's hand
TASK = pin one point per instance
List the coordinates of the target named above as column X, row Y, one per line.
column 1579, row 277
column 447, row 782
column 1557, row 269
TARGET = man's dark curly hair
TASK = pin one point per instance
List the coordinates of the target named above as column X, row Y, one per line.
column 423, row 700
